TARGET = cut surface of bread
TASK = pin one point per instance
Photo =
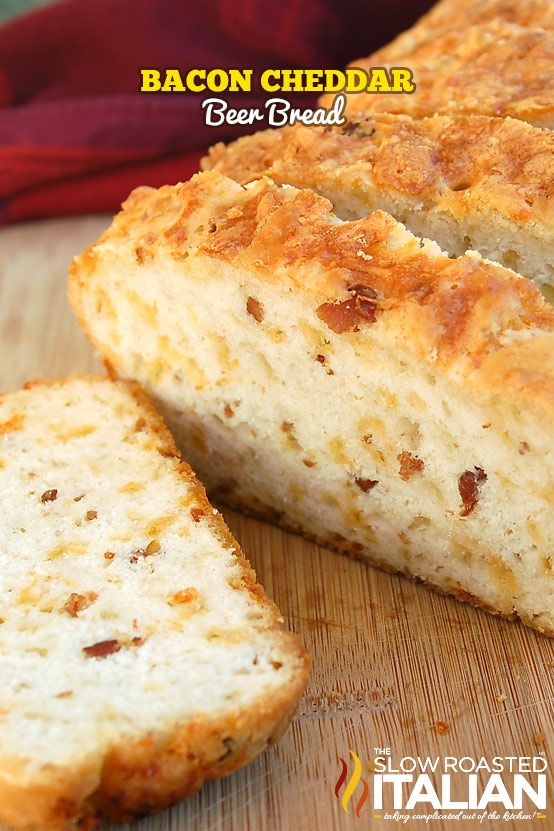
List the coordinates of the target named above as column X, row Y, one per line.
column 138, row 656
column 347, row 379
column 452, row 15
column 496, row 69
column 468, row 182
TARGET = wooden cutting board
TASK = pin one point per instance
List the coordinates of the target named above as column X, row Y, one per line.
column 394, row 665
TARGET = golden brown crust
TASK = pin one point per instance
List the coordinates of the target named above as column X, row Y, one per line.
column 492, row 330
column 497, row 69
column 149, row 775
column 459, row 162
column 153, row 772
column 455, row 15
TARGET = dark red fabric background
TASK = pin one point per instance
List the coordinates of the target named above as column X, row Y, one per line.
column 75, row 134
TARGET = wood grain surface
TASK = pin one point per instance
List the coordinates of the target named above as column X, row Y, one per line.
column 393, row 663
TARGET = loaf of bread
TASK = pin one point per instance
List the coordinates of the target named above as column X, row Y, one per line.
column 456, row 15
column 495, row 68
column 345, row 379
column 464, row 181
column 138, row 655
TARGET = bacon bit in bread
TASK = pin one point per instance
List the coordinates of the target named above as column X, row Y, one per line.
column 468, row 484
column 255, row 308
column 109, row 555
column 187, row 595
column 228, row 410
column 409, row 465
column 49, row 496
column 287, row 426
column 321, row 358
column 441, row 727
column 366, row 485
column 361, row 290
column 197, row 514
column 90, row 515
column 78, row 602
column 137, row 641
column 153, row 547
column 350, row 127
column 12, row 424
column 102, row 649
column 349, row 313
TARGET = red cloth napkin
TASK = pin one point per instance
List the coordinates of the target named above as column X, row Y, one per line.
column 75, row 134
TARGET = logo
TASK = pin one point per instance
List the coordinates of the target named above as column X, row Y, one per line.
column 352, row 784
column 504, row 788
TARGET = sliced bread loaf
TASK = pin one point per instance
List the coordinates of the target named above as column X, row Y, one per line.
column 138, row 655
column 495, row 68
column 346, row 379
column 464, row 181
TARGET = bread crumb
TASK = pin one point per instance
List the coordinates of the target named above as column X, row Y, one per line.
column 441, row 727
column 539, row 739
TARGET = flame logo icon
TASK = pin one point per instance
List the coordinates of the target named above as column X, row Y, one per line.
column 351, row 785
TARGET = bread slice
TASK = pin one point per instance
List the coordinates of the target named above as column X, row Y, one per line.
column 456, row 15
column 138, row 656
column 464, row 181
column 496, row 69
column 346, row 379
